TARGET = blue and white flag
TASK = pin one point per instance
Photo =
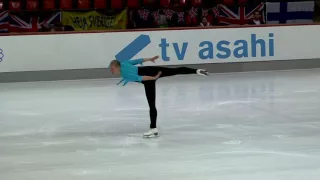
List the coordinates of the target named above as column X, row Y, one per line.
column 289, row 12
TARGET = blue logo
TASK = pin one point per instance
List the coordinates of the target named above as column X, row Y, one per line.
column 133, row 48
column 1, row 55
column 208, row 50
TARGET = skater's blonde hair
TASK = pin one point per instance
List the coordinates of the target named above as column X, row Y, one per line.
column 114, row 63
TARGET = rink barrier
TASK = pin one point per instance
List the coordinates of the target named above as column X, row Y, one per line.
column 94, row 73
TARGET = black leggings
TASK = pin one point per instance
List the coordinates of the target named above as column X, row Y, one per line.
column 150, row 86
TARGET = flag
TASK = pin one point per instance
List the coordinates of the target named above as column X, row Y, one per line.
column 54, row 18
column 4, row 21
column 238, row 14
column 25, row 22
column 18, row 24
column 290, row 12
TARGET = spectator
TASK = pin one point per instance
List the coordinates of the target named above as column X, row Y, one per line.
column 45, row 27
column 257, row 19
column 61, row 27
column 55, row 27
column 204, row 22
column 68, row 28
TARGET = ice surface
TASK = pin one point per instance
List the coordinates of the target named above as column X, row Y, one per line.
column 259, row 125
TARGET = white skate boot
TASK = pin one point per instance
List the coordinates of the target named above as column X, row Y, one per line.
column 151, row 133
column 202, row 72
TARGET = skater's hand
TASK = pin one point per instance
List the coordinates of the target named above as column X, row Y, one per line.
column 151, row 59
column 158, row 75
column 151, row 78
column 154, row 58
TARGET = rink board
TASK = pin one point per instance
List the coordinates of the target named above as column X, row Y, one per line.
column 87, row 55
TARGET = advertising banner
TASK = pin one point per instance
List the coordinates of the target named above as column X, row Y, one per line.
column 84, row 21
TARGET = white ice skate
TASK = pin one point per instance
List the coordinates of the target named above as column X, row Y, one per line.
column 202, row 72
column 151, row 133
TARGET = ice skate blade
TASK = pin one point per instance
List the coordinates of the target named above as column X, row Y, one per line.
column 151, row 136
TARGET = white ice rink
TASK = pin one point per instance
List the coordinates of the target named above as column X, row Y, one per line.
column 238, row 126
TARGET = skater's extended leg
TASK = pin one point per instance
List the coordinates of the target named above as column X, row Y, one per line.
column 153, row 70
column 176, row 71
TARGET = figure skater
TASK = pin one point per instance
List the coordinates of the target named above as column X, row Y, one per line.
column 147, row 75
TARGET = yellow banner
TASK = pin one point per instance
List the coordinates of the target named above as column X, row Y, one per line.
column 84, row 21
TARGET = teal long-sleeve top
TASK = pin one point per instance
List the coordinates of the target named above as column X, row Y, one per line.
column 129, row 72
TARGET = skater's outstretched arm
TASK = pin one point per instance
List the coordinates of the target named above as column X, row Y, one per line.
column 151, row 78
column 151, row 59
column 142, row 60
column 138, row 78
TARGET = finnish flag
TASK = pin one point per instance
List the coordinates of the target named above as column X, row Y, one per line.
column 290, row 12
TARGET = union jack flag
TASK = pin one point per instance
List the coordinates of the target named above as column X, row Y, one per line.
column 14, row 23
column 19, row 25
column 238, row 15
column 56, row 17
column 4, row 21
